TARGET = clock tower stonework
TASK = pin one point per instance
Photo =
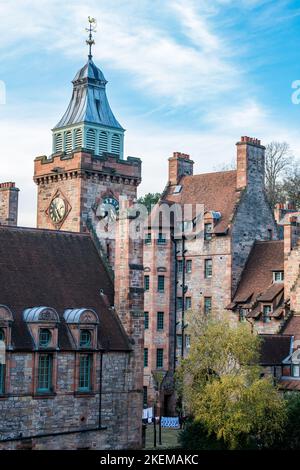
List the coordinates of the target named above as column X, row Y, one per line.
column 81, row 183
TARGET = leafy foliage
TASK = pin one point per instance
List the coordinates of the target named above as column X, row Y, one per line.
column 221, row 384
column 195, row 437
column 149, row 200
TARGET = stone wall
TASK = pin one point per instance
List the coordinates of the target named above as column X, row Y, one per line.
column 254, row 219
column 69, row 412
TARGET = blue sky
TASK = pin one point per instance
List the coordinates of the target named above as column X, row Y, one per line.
column 184, row 75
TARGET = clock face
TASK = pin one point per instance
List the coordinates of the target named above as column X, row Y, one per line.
column 109, row 208
column 57, row 210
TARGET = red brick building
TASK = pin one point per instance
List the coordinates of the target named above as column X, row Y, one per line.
column 72, row 331
column 225, row 217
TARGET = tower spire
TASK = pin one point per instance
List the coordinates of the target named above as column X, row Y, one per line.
column 91, row 29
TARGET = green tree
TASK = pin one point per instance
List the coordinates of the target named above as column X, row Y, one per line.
column 221, row 385
column 149, row 200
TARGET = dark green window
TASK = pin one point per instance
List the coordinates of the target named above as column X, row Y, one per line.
column 85, row 372
column 148, row 239
column 146, row 282
column 189, row 266
column 2, row 335
column 159, row 358
column 207, row 305
column 160, row 320
column 146, row 357
column 85, row 339
column 145, row 396
column 2, row 378
column 44, row 373
column 44, row 338
column 188, row 303
column 146, row 320
column 161, row 239
column 208, row 268
column 180, row 266
column 208, row 231
column 161, row 283
column 179, row 303
column 267, row 310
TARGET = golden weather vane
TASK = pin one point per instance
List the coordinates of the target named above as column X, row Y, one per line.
column 91, row 29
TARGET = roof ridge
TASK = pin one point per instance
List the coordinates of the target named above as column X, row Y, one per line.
column 48, row 230
column 210, row 173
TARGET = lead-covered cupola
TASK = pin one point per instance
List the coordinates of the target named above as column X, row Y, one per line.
column 89, row 121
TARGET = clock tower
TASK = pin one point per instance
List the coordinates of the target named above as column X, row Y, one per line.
column 80, row 184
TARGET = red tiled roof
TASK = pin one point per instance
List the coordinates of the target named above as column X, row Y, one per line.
column 289, row 384
column 217, row 191
column 257, row 276
column 60, row 270
column 292, row 327
column 272, row 291
column 274, row 349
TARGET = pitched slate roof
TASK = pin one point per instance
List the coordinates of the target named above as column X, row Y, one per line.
column 274, row 349
column 256, row 280
column 292, row 327
column 217, row 191
column 60, row 270
column 89, row 102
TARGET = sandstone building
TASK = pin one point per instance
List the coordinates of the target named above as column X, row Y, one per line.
column 72, row 331
column 228, row 261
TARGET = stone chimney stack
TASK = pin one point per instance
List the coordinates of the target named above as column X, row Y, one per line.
column 250, row 163
column 9, row 196
column 179, row 165
column 282, row 209
column 129, row 299
column 291, row 233
column 292, row 260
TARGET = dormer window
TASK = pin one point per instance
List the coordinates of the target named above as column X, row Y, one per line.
column 208, row 228
column 44, row 338
column 267, row 310
column 85, row 339
column 278, row 276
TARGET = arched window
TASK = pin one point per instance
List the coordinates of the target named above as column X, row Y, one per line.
column 58, row 143
column 103, row 142
column 85, row 339
column 116, row 144
column 78, row 138
column 44, row 338
column 68, row 141
column 90, row 139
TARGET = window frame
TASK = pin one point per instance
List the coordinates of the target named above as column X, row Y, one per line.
column 206, row 299
column 208, row 268
column 160, row 321
column 146, row 357
column 208, row 233
column 2, row 378
column 159, row 358
column 146, row 320
column 188, row 266
column 161, row 278
column 266, row 314
column 85, row 371
column 42, row 344
column 49, row 374
column 161, row 239
column 85, row 345
column 146, row 282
